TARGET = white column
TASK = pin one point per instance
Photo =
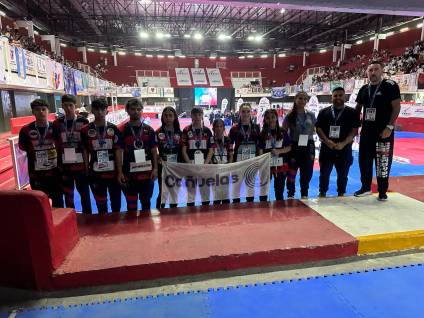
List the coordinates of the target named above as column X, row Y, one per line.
column 115, row 60
column 305, row 54
column 274, row 61
column 57, row 46
column 52, row 40
column 335, row 49
column 422, row 29
column 83, row 49
column 376, row 41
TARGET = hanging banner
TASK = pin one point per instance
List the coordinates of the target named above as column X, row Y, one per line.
column 215, row 181
column 199, row 76
column 41, row 66
column 335, row 84
column 30, row 61
column 68, row 78
column 278, row 92
column 12, row 58
column 214, row 76
column 349, row 85
column 2, row 63
column 58, row 77
column 264, row 103
column 326, row 88
column 20, row 63
column 79, row 84
column 183, row 76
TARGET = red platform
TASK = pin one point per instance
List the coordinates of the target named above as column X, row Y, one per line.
column 118, row 248
column 411, row 186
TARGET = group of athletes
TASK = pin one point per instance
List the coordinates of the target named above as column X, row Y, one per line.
column 72, row 152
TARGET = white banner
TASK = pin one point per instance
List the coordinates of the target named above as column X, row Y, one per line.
column 214, row 76
column 411, row 111
column 183, row 77
column 199, row 76
column 215, row 182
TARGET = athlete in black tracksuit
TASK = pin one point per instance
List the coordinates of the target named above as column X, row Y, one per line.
column 380, row 104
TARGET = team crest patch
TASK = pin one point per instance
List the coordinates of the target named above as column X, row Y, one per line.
column 161, row 136
column 110, row 132
column 92, row 133
column 190, row 134
column 33, row 134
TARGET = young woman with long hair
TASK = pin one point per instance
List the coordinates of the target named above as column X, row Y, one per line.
column 300, row 124
column 245, row 136
column 275, row 140
column 168, row 137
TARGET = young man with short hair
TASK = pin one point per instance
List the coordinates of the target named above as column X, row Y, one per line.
column 139, row 166
column 102, row 141
column 72, row 154
column 37, row 139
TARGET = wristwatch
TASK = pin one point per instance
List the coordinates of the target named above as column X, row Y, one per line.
column 391, row 127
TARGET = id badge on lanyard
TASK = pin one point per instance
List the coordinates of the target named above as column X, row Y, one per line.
column 199, row 158
column 334, row 132
column 303, row 138
column 370, row 113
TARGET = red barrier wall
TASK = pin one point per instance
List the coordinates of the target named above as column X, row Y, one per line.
column 34, row 238
column 18, row 122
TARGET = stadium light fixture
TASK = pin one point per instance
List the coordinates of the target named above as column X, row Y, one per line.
column 171, row 56
column 359, row 42
column 222, row 57
column 167, row 35
column 242, row 57
column 103, row 51
column 182, row 56
column 144, row 35
column 2, row 13
column 212, row 57
column 223, row 37
column 404, row 29
column 322, row 50
column 250, row 56
column 159, row 35
column 282, row 55
column 90, row 49
column 137, row 54
column 122, row 53
column 197, row 36
column 419, row 25
column 63, row 45
column 264, row 56
column 187, row 36
column 250, row 38
column 282, row 11
column 149, row 55
column 36, row 32
column 390, row 33
column 372, row 38
column 258, row 38
column 160, row 56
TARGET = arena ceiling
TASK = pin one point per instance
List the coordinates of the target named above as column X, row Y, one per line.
column 225, row 27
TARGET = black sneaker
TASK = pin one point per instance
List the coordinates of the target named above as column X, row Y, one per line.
column 362, row 193
column 340, row 194
column 322, row 195
column 382, row 197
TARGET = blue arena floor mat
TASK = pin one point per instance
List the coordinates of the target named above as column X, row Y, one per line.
column 391, row 292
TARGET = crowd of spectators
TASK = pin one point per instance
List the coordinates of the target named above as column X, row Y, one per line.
column 20, row 40
column 409, row 62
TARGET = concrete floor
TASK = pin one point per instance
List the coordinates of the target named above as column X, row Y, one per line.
column 15, row 299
